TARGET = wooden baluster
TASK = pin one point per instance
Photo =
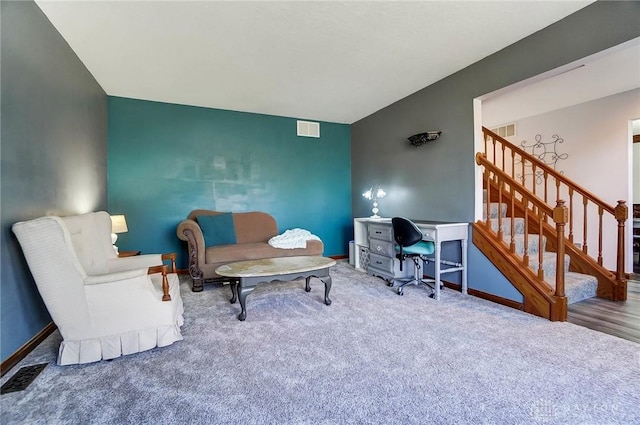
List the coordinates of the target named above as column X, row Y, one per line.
column 584, row 224
column 500, row 190
column 513, row 164
column 494, row 150
column 557, row 190
column 522, row 173
column 570, row 214
column 540, row 249
column 621, row 213
column 560, row 214
column 545, row 175
column 503, row 161
column 488, row 203
column 533, row 177
column 525, row 255
column 600, row 211
column 512, row 245
column 486, row 136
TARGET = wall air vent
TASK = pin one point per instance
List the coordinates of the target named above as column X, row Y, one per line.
column 308, row 129
column 506, row 130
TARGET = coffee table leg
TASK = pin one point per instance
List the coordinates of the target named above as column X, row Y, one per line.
column 234, row 292
column 244, row 291
column 327, row 287
column 307, row 286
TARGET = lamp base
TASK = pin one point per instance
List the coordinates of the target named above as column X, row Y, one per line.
column 114, row 238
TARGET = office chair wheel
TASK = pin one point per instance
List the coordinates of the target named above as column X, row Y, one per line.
column 433, row 295
column 400, row 292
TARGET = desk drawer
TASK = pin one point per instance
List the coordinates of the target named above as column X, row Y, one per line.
column 382, row 247
column 384, row 233
column 381, row 263
column 429, row 234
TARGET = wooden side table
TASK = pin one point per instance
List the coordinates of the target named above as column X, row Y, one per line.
column 128, row 253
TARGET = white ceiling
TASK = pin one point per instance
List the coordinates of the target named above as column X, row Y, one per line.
column 603, row 74
column 336, row 61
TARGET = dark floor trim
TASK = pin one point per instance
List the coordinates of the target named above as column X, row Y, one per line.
column 28, row 347
column 486, row 296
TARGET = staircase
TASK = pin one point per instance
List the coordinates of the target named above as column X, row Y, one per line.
column 577, row 286
column 529, row 226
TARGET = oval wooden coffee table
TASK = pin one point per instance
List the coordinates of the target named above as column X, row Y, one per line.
column 247, row 274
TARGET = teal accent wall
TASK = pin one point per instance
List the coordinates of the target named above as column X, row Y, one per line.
column 165, row 160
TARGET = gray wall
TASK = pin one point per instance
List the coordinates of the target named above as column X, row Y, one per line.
column 436, row 181
column 54, row 151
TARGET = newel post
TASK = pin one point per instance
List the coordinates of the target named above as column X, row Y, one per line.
column 621, row 213
column 560, row 217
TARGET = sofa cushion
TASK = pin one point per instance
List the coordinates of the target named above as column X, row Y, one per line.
column 217, row 229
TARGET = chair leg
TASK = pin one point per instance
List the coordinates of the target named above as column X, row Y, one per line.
column 417, row 278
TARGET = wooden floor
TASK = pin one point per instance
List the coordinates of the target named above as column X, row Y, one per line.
column 621, row 319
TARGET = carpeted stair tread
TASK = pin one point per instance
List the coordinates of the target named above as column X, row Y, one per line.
column 532, row 242
column 518, row 225
column 578, row 286
column 548, row 263
column 493, row 210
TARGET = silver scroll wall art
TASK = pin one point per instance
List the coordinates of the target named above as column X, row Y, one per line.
column 547, row 152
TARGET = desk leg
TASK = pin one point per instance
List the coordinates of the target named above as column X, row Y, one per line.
column 437, row 271
column 244, row 291
column 463, row 244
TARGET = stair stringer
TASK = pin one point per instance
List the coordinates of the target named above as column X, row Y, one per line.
column 539, row 298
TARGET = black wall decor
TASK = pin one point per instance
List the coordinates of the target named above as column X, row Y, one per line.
column 422, row 138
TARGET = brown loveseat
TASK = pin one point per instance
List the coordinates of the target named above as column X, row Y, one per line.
column 252, row 233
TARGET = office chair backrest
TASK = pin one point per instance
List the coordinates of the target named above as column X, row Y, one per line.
column 405, row 232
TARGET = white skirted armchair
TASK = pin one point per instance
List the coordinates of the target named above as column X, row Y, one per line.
column 104, row 306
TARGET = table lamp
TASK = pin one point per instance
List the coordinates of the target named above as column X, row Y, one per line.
column 373, row 194
column 118, row 225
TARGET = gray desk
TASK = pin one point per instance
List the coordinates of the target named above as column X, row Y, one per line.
column 435, row 231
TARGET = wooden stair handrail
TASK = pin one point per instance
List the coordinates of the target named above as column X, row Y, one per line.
column 559, row 215
column 481, row 159
column 499, row 161
column 619, row 213
column 584, row 192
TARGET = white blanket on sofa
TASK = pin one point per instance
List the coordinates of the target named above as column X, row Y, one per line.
column 293, row 238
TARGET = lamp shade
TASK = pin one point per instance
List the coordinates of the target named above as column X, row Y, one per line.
column 118, row 224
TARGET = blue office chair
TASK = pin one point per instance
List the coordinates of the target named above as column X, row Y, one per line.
column 409, row 244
